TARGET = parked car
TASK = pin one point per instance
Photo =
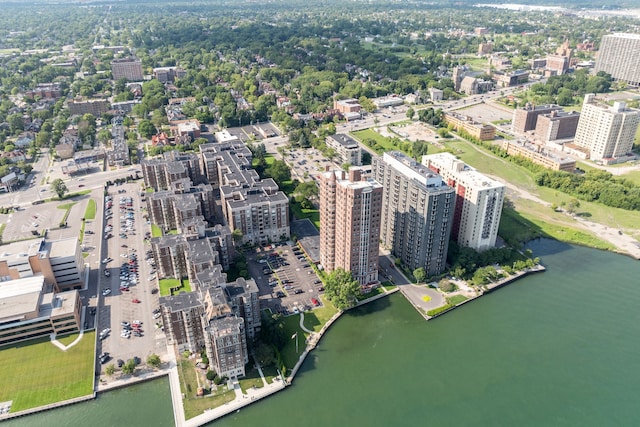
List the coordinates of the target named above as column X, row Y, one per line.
column 106, row 292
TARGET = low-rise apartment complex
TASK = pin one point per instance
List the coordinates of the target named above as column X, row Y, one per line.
column 470, row 126
column 347, row 148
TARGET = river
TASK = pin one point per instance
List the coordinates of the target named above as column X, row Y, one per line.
column 559, row 348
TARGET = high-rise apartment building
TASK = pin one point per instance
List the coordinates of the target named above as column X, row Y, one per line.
column 417, row 212
column 127, row 68
column 606, row 131
column 350, row 212
column 619, row 56
column 526, row 118
column 479, row 201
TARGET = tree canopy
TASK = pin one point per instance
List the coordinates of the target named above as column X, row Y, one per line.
column 59, row 187
column 342, row 289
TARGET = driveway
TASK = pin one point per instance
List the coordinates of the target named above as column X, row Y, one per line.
column 419, row 294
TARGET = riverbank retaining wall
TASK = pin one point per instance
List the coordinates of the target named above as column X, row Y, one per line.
column 490, row 288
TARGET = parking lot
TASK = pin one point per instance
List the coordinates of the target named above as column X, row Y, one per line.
column 21, row 224
column 252, row 132
column 287, row 282
column 127, row 296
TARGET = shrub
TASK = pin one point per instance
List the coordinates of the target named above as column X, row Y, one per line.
column 211, row 375
column 440, row 310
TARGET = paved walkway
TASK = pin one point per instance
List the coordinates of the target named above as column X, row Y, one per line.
column 302, row 324
column 63, row 347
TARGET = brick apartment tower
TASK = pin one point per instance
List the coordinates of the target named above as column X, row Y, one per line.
column 350, row 212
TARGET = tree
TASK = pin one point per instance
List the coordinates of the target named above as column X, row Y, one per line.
column 110, row 370
column 154, row 361
column 306, row 190
column 236, row 235
column 211, row 375
column 58, row 186
column 146, row 129
column 419, row 274
column 279, row 171
column 410, row 113
column 264, row 354
column 446, row 286
column 272, row 329
column 16, row 123
column 129, row 367
column 572, row 206
column 104, row 136
column 342, row 289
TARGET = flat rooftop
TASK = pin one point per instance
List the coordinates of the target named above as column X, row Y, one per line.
column 20, row 297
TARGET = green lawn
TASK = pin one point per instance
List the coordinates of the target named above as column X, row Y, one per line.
column 388, row 285
column 521, row 226
column 195, row 405
column 251, row 379
column 382, row 141
column 37, row 373
column 312, row 214
column 555, row 225
column 155, row 231
column 66, row 206
column 456, row 299
column 90, row 212
column 288, row 353
column 316, row 318
column 167, row 284
column 270, row 372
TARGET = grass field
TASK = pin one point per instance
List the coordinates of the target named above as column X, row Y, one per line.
column 312, row 214
column 382, row 141
column 66, row 206
column 315, row 319
column 194, row 405
column 155, row 231
column 456, row 299
column 39, row 373
column 288, row 352
column 548, row 223
column 90, row 212
column 251, row 379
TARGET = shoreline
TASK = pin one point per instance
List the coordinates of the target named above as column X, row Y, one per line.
column 256, row 395
column 490, row 288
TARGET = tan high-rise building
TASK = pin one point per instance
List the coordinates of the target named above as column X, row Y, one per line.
column 479, row 201
column 127, row 68
column 350, row 212
column 606, row 131
column 619, row 56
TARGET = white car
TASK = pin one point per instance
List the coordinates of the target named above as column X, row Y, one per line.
column 106, row 292
column 157, row 315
